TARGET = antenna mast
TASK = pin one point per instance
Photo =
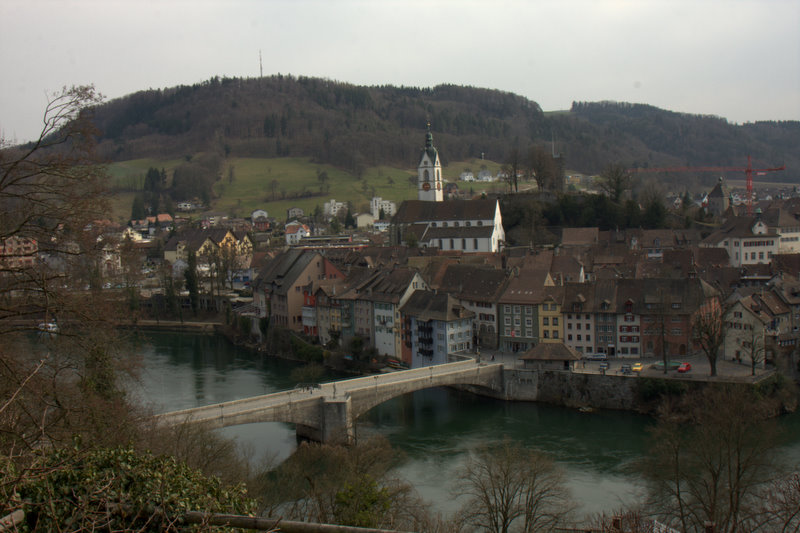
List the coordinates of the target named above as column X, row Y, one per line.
column 260, row 65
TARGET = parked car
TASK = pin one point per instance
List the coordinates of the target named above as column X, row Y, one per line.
column 603, row 366
column 637, row 367
column 684, row 367
column 626, row 369
column 671, row 365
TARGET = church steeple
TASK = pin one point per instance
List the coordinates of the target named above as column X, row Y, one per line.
column 429, row 172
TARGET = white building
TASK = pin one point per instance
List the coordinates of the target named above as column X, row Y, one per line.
column 467, row 176
column 485, row 175
column 748, row 241
column 295, row 232
column 332, row 208
column 377, row 204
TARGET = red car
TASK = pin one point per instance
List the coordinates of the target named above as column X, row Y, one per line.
column 685, row 367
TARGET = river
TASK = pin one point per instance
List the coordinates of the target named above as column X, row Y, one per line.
column 434, row 429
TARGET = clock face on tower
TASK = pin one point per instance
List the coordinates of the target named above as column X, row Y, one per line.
column 426, row 186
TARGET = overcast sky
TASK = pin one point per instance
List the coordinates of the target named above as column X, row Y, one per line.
column 738, row 59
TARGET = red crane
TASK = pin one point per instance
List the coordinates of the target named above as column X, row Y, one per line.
column 748, row 170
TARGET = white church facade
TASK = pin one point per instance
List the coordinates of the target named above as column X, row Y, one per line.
column 467, row 226
column 429, row 172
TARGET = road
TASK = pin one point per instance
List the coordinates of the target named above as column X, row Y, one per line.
column 700, row 366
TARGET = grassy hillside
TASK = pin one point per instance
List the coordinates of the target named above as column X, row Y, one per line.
column 276, row 184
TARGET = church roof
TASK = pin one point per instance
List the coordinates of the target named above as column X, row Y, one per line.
column 412, row 211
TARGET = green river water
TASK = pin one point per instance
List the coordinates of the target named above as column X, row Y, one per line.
column 434, row 429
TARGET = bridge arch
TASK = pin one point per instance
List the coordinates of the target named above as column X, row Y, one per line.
column 326, row 413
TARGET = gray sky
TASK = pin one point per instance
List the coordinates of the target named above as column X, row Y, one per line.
column 738, row 59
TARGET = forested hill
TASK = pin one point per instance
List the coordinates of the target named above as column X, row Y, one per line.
column 354, row 127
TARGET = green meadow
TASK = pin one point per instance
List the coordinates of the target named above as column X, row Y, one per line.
column 277, row 184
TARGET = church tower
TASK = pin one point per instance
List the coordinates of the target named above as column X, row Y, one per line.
column 429, row 172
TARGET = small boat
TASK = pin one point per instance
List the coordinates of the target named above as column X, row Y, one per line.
column 48, row 328
column 586, row 409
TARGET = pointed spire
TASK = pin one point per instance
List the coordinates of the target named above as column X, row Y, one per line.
column 429, row 137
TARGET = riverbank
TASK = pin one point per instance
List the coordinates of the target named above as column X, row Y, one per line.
column 586, row 386
column 174, row 326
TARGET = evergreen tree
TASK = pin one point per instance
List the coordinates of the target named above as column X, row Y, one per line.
column 137, row 210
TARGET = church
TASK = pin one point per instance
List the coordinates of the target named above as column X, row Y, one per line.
column 468, row 226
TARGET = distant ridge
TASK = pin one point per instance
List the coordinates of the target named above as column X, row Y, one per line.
column 354, row 127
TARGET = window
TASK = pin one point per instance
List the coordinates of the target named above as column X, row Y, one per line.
column 579, row 337
column 676, row 305
column 546, row 334
column 555, row 333
column 555, row 320
column 577, row 326
column 507, row 308
column 463, row 244
column 516, row 309
column 569, row 325
column 588, row 338
column 545, row 321
column 569, row 337
column 474, row 242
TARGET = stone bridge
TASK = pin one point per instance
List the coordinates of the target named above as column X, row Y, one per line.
column 328, row 412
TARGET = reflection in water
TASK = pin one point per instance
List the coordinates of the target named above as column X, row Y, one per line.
column 434, row 429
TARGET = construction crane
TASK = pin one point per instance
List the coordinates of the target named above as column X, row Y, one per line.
column 748, row 170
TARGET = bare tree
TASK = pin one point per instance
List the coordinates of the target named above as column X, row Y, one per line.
column 708, row 330
column 614, row 181
column 780, row 510
column 711, row 458
column 755, row 345
column 51, row 199
column 273, row 186
column 541, row 167
column 512, row 167
column 508, row 486
column 348, row 485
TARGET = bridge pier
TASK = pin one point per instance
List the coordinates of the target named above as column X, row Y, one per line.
column 336, row 423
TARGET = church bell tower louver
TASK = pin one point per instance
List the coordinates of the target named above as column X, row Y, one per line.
column 429, row 172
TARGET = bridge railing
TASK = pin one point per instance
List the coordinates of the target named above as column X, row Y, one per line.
column 402, row 375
